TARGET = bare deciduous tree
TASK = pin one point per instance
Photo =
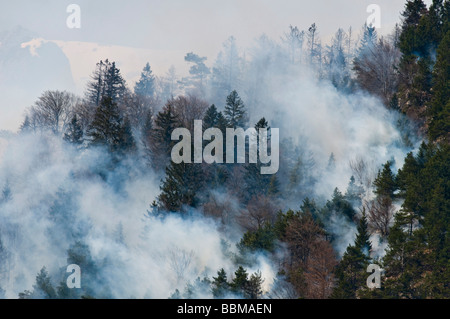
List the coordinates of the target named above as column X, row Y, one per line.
column 179, row 261
column 189, row 108
column 363, row 172
column 381, row 212
column 376, row 70
column 260, row 210
column 53, row 111
column 319, row 275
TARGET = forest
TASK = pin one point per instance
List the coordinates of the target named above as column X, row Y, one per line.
column 363, row 178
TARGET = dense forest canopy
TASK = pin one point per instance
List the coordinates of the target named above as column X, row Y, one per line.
column 364, row 174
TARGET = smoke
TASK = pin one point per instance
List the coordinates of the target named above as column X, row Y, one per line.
column 61, row 196
column 140, row 255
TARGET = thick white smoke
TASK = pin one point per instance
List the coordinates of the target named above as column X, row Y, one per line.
column 141, row 255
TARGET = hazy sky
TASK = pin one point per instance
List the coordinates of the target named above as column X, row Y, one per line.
column 161, row 32
column 189, row 25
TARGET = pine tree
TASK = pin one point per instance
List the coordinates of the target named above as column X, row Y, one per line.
column 354, row 192
column 220, row 286
column 6, row 194
column 416, row 260
column 440, row 105
column 198, row 72
column 257, row 183
column 180, row 187
column 74, row 133
column 43, row 289
column 105, row 127
column 254, row 287
column 106, row 81
column 161, row 137
column 126, row 142
column 340, row 205
column 115, row 84
column 239, row 284
column 385, row 184
column 211, row 117
column 146, row 84
column 368, row 41
column 108, row 129
column 351, row 271
column 362, row 240
column 235, row 113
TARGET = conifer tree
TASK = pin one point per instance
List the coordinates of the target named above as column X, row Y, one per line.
column 74, row 133
column 385, row 184
column 235, row 113
column 220, row 285
column 440, row 105
column 257, row 183
column 161, row 143
column 106, row 81
column 110, row 130
column 146, row 84
column 180, row 186
column 351, row 271
column 211, row 117
column 239, row 284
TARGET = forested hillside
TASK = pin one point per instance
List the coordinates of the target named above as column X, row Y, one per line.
column 363, row 178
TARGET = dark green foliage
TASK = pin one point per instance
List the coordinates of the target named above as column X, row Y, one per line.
column 240, row 281
column 106, row 81
column 385, row 184
column 255, row 182
column 110, row 130
column 338, row 205
column 74, row 133
column 416, row 261
column 440, row 104
column 211, row 117
column 235, row 113
column 362, row 240
column 351, row 271
column 180, row 187
column 161, row 137
column 263, row 239
column 220, row 286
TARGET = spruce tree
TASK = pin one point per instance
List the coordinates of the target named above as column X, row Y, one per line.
column 385, row 182
column 220, row 286
column 254, row 286
column 110, row 130
column 74, row 133
column 235, row 113
column 255, row 182
column 180, row 187
column 106, row 81
column 351, row 272
column 362, row 240
column 440, row 105
column 211, row 118
column 239, row 284
column 146, row 84
column 161, row 143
